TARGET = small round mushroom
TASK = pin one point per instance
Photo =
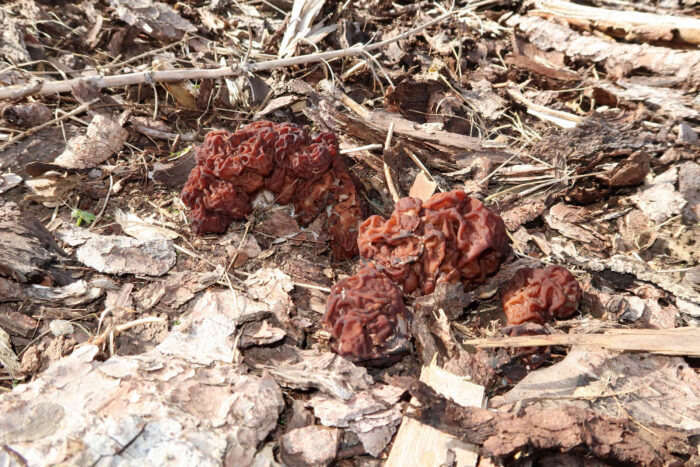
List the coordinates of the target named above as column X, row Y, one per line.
column 367, row 319
column 450, row 238
column 538, row 295
column 298, row 168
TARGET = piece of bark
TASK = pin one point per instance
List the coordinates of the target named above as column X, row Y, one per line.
column 624, row 265
column 12, row 45
column 422, row 188
column 177, row 289
column 619, row 59
column 571, row 221
column 9, row 181
column 630, row 172
column 260, row 333
column 173, row 174
column 418, row 444
column 648, row 388
column 147, row 409
column 667, row 101
column 28, row 252
column 371, row 414
column 8, row 358
column 534, row 430
column 117, row 254
column 309, row 446
column 304, row 369
column 207, row 331
column 143, row 229
column 689, row 188
column 677, row 341
column 527, row 63
column 26, row 115
column 628, row 25
column 158, row 20
column 18, row 324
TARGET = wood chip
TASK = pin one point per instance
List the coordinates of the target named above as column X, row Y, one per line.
column 420, row 445
column 678, row 341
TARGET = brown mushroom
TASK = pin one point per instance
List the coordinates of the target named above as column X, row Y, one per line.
column 367, row 319
column 284, row 158
column 538, row 295
column 450, row 237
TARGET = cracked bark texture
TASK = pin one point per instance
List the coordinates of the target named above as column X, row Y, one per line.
column 536, row 431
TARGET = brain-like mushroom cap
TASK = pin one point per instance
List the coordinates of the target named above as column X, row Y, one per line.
column 283, row 158
column 367, row 318
column 450, row 237
column 538, row 295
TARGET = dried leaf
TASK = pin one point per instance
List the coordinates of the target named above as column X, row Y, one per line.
column 142, row 229
column 103, row 138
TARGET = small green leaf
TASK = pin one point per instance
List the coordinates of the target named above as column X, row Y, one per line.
column 81, row 216
column 180, row 153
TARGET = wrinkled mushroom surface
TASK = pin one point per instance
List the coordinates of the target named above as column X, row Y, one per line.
column 538, row 295
column 450, row 237
column 367, row 319
column 298, row 168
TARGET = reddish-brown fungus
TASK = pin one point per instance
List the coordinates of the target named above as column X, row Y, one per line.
column 538, row 295
column 285, row 159
column 367, row 318
column 450, row 237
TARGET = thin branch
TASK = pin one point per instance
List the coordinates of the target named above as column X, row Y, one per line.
column 150, row 77
column 387, row 170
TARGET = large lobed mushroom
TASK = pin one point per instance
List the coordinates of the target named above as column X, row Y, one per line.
column 305, row 171
column 538, row 295
column 367, row 319
column 451, row 237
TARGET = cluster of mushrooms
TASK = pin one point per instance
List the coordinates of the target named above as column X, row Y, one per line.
column 450, row 237
column 283, row 158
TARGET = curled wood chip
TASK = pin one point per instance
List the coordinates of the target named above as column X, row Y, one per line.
column 260, row 333
column 299, row 27
column 103, row 138
column 73, row 294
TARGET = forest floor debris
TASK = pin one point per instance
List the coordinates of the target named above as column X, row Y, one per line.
column 577, row 123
